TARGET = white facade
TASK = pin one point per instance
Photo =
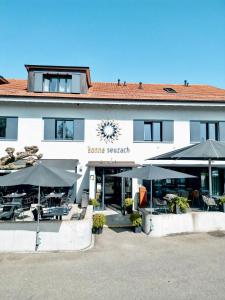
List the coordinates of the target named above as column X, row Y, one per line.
column 31, row 130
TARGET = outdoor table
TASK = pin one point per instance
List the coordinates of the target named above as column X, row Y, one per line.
column 14, row 195
column 54, row 195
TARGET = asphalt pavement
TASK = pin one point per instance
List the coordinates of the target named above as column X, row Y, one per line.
column 121, row 265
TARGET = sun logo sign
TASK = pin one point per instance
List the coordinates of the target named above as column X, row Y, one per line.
column 108, row 131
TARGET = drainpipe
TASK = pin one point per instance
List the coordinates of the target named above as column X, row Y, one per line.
column 210, row 178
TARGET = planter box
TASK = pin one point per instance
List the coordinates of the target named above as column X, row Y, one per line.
column 177, row 211
column 222, row 207
column 129, row 209
column 97, row 230
column 137, row 229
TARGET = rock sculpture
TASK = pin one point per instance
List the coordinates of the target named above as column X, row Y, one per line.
column 27, row 158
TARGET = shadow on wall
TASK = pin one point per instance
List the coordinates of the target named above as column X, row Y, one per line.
column 84, row 185
column 31, row 226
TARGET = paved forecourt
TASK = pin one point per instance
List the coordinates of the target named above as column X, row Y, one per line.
column 122, row 265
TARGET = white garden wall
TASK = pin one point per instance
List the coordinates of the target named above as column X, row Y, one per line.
column 54, row 235
column 166, row 224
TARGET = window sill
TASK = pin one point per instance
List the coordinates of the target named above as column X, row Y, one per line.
column 153, row 142
column 8, row 140
column 70, row 141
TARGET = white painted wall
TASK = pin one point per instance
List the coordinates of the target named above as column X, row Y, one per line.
column 30, row 130
column 54, row 236
column 166, row 224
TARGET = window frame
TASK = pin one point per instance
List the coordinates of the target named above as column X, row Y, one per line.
column 5, row 119
column 49, row 77
column 63, row 133
column 206, row 122
column 151, row 122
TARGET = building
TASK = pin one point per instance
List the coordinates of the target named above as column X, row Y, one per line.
column 110, row 127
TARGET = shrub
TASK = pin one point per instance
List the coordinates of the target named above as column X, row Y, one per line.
column 136, row 219
column 128, row 202
column 94, row 202
column 181, row 202
column 222, row 200
column 98, row 220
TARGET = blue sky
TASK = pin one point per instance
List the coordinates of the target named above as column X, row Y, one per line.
column 154, row 41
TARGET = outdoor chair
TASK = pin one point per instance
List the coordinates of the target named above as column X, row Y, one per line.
column 169, row 197
column 160, row 204
column 195, row 198
column 209, row 202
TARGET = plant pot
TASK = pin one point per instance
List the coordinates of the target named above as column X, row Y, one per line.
column 177, row 210
column 97, row 230
column 129, row 209
column 137, row 229
column 123, row 211
column 222, row 207
column 97, row 208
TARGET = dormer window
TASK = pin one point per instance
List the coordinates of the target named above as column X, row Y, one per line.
column 58, row 79
column 57, row 83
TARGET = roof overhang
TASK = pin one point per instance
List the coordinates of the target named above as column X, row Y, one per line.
column 93, row 101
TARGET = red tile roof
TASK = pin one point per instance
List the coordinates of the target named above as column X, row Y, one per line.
column 106, row 90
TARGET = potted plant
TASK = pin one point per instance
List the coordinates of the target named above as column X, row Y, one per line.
column 178, row 205
column 136, row 220
column 98, row 223
column 95, row 203
column 128, row 205
column 222, row 204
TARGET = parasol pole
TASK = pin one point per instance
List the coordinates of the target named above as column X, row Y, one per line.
column 210, row 178
column 150, row 207
column 38, row 218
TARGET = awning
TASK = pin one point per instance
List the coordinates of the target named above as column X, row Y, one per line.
column 65, row 164
column 113, row 164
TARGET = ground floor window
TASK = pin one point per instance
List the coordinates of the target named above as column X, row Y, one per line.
column 185, row 187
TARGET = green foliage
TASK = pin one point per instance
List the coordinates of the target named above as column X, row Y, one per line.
column 98, row 220
column 136, row 219
column 94, row 202
column 222, row 200
column 181, row 202
column 128, row 202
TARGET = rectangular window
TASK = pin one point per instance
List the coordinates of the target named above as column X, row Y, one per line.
column 153, row 131
column 208, row 130
column 57, row 84
column 148, row 131
column 212, row 131
column 64, row 129
column 3, row 122
column 203, row 131
column 157, row 131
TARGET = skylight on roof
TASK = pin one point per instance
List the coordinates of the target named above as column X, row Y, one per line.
column 169, row 90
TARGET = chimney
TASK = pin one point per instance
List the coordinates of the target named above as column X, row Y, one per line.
column 124, row 84
column 140, row 85
column 118, row 82
column 185, row 82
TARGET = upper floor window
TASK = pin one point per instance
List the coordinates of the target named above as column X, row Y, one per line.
column 153, row 131
column 57, row 84
column 208, row 130
column 2, row 127
column 8, row 128
column 64, row 129
column 201, row 131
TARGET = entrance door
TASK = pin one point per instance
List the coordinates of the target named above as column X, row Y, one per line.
column 111, row 190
